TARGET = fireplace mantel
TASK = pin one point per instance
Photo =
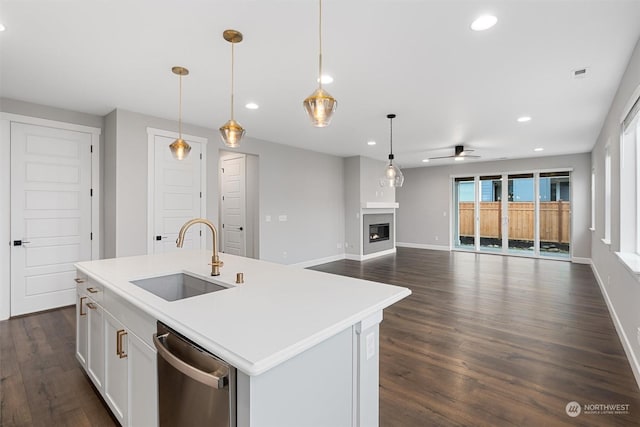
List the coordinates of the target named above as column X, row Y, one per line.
column 380, row 205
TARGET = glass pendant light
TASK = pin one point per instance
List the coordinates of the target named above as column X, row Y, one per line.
column 179, row 148
column 392, row 176
column 231, row 132
column 320, row 105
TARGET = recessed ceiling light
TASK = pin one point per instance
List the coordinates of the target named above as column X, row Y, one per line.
column 326, row 79
column 2, row 27
column 484, row 22
column 538, row 149
column 458, row 159
column 371, row 143
column 425, row 160
column 524, row 119
column 252, row 106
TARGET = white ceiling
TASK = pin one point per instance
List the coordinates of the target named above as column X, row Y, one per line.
column 419, row 59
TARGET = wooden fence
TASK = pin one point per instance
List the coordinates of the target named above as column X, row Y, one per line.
column 555, row 220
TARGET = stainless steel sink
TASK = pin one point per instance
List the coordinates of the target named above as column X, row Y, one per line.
column 177, row 286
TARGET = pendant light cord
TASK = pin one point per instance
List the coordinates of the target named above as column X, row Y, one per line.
column 320, row 43
column 390, row 140
column 180, row 110
column 232, row 61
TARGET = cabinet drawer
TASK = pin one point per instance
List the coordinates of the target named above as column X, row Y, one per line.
column 90, row 288
column 134, row 319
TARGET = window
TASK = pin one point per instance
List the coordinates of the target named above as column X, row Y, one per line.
column 593, row 199
column 607, row 195
column 630, row 182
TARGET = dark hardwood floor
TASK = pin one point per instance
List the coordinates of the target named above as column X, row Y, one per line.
column 484, row 340
column 487, row 340
column 41, row 383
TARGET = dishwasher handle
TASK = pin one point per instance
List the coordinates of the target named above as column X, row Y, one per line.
column 213, row 379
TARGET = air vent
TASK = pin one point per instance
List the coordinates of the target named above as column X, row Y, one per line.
column 579, row 73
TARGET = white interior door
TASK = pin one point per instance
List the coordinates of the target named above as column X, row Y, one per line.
column 177, row 196
column 50, row 214
column 234, row 205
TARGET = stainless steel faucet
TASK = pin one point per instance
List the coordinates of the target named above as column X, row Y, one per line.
column 215, row 260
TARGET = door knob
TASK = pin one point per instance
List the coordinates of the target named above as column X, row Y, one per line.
column 19, row 242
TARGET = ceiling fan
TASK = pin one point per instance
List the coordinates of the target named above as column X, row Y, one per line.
column 459, row 153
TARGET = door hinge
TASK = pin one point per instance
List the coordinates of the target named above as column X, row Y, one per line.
column 200, row 156
column 223, row 198
column 91, row 148
column 222, row 170
column 91, row 236
column 201, row 194
column 200, row 233
column 91, row 192
column 222, row 225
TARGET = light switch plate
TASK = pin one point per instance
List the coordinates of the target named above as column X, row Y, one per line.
column 282, row 218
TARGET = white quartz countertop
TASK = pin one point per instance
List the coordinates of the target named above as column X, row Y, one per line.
column 279, row 311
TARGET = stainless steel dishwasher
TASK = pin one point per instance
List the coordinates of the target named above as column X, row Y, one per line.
column 195, row 387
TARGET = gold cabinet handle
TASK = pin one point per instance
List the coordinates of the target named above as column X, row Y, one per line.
column 92, row 305
column 79, row 280
column 92, row 290
column 119, row 351
column 81, row 303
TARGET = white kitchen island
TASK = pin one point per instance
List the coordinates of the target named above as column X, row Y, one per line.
column 305, row 343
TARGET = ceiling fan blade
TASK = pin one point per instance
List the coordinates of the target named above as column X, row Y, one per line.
column 441, row 157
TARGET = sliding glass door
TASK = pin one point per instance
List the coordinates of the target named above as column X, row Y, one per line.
column 464, row 199
column 491, row 213
column 555, row 214
column 519, row 213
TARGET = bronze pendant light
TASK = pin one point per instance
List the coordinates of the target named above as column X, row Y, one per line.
column 232, row 132
column 392, row 176
column 179, row 148
column 320, row 105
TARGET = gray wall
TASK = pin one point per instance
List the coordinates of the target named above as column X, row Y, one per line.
column 370, row 190
column 621, row 287
column 425, row 198
column 352, row 205
column 305, row 186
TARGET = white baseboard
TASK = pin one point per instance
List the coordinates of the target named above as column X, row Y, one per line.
column 422, row 246
column 318, row 261
column 355, row 257
column 626, row 344
column 581, row 260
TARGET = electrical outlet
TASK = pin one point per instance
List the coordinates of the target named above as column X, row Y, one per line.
column 267, row 218
column 436, row 238
column 339, row 245
column 282, row 218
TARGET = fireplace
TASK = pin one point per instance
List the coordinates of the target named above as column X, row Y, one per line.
column 378, row 232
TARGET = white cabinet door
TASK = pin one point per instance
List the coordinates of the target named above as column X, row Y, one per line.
column 81, row 330
column 143, row 384
column 116, row 375
column 95, row 343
